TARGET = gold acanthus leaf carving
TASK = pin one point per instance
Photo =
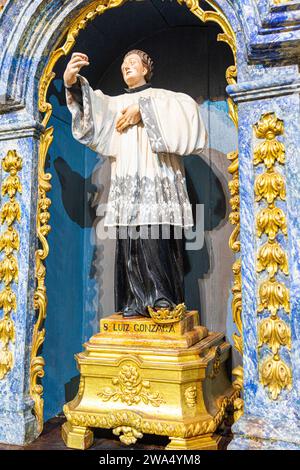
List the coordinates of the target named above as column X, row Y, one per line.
column 269, row 221
column 11, row 185
column 275, row 333
column 269, row 126
column 271, row 150
column 131, row 389
column 9, row 270
column 12, row 162
column 273, row 295
column 8, row 300
column 10, row 212
column 271, row 257
column 276, row 375
column 7, row 330
column 269, row 185
column 9, row 241
column 268, row 152
column 6, row 361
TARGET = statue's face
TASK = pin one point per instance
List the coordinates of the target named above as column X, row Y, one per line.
column 133, row 70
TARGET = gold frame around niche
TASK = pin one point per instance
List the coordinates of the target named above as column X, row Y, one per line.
column 88, row 14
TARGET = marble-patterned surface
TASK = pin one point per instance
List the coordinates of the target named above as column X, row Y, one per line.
column 267, row 419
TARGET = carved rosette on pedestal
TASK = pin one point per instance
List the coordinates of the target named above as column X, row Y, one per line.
column 139, row 376
column 9, row 270
column 274, row 332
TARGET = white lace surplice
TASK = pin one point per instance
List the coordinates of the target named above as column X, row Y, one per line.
column 147, row 175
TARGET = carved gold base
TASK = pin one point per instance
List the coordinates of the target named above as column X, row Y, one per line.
column 77, row 437
column 138, row 378
column 195, row 443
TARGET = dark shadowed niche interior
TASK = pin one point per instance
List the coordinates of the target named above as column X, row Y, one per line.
column 80, row 266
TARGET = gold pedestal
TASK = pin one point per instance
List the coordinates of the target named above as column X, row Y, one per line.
column 138, row 377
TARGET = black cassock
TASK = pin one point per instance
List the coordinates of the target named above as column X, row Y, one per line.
column 148, row 271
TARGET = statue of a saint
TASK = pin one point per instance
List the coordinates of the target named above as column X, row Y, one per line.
column 144, row 132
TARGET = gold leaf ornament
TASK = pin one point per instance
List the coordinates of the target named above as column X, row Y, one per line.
column 271, row 150
column 131, row 389
column 270, row 186
column 269, row 221
column 275, row 375
column 12, row 162
column 7, row 330
column 275, row 333
column 9, row 270
column 269, row 126
column 8, row 300
column 271, row 257
column 9, row 241
column 6, row 362
column 11, row 185
column 273, row 295
column 10, row 212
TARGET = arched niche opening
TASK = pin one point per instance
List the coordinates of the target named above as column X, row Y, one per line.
column 80, row 267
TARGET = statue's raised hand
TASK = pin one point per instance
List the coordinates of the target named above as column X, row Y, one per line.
column 78, row 60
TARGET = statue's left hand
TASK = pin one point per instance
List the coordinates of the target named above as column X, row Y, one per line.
column 130, row 117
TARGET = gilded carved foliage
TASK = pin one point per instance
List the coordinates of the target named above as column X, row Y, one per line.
column 272, row 258
column 40, row 297
column 9, row 244
column 236, row 304
column 131, row 389
column 274, row 332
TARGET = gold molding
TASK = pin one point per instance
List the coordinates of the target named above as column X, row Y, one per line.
column 150, row 426
column 89, row 13
column 9, row 269
column 274, row 333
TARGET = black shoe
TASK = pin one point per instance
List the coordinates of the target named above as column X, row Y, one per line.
column 129, row 312
column 163, row 303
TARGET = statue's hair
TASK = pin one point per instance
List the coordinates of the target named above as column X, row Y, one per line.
column 146, row 60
